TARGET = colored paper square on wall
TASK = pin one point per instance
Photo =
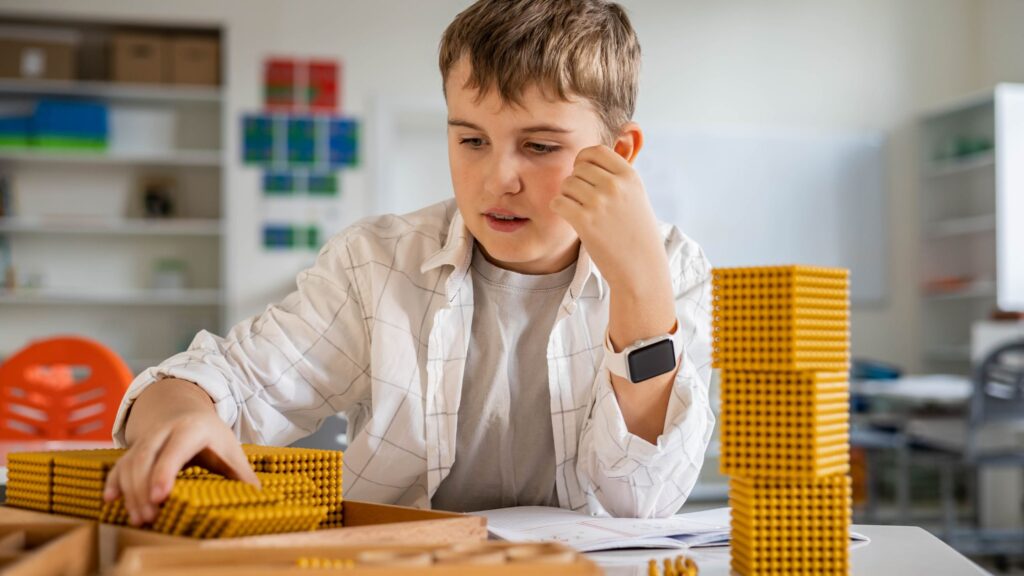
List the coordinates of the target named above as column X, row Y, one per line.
column 301, row 140
column 279, row 78
column 343, row 142
column 279, row 183
column 257, row 139
column 322, row 91
column 278, row 236
column 307, row 236
column 323, row 184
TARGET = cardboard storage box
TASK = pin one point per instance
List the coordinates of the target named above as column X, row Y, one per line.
column 138, row 58
column 194, row 60
column 39, row 53
column 47, row 548
column 492, row 558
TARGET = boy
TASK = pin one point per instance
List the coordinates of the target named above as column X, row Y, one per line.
column 486, row 351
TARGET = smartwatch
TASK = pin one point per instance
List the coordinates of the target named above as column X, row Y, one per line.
column 645, row 359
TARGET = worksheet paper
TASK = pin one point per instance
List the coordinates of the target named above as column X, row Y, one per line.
column 590, row 534
column 587, row 533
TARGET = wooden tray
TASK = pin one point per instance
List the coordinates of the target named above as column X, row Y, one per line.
column 47, row 549
column 285, row 561
column 365, row 523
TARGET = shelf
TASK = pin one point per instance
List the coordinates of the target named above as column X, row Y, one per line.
column 974, row 291
column 969, row 102
column 112, row 227
column 961, row 226
column 192, row 297
column 113, row 91
column 963, row 165
column 182, row 158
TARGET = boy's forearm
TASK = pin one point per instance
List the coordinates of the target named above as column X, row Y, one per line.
column 636, row 313
column 161, row 401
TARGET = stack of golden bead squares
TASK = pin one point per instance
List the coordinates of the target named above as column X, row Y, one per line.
column 301, row 491
column 781, row 342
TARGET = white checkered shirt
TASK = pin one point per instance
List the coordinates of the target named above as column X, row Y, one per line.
column 378, row 329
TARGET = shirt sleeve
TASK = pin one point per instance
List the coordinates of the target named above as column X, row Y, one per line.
column 276, row 376
column 625, row 475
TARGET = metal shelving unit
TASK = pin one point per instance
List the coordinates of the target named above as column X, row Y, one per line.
column 972, row 200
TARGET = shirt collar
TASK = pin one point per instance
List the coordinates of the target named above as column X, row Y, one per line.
column 457, row 252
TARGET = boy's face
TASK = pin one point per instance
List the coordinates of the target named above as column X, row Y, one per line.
column 509, row 161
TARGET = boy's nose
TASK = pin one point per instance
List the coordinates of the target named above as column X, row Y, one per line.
column 503, row 177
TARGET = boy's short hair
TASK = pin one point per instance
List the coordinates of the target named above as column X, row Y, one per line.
column 585, row 48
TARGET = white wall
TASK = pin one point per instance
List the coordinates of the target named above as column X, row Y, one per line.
column 1001, row 34
column 836, row 65
column 832, row 66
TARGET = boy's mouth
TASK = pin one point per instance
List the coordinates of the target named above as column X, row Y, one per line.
column 505, row 221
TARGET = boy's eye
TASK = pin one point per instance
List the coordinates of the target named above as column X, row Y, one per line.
column 472, row 142
column 541, row 148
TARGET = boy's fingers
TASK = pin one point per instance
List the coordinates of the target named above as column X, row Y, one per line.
column 225, row 456
column 239, row 464
column 567, row 208
column 577, row 190
column 604, row 158
column 111, row 488
column 181, row 446
column 137, row 474
column 591, row 174
column 131, row 495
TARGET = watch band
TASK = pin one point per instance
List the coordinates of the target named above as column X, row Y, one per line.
column 618, row 362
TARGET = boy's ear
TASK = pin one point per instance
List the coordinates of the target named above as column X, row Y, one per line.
column 629, row 141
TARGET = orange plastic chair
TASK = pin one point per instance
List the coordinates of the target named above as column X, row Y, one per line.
column 63, row 388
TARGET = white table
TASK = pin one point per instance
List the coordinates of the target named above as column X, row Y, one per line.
column 893, row 550
column 935, row 389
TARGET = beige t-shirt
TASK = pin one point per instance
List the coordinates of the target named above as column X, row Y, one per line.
column 505, row 453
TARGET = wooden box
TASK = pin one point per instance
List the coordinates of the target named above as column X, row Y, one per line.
column 47, row 548
column 365, row 524
column 491, row 558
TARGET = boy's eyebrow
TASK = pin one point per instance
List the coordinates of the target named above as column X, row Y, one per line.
column 529, row 129
column 546, row 128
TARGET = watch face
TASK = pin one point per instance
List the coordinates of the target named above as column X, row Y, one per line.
column 651, row 361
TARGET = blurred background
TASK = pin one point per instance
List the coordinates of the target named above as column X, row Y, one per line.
column 168, row 167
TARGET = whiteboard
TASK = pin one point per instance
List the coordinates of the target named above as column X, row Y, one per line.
column 759, row 198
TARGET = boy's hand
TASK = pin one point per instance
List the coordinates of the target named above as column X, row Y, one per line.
column 605, row 201
column 171, row 430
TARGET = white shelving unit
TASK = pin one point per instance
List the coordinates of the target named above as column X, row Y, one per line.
column 151, row 297
column 113, row 92
column 112, row 226
column 972, row 199
column 85, row 254
column 170, row 158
